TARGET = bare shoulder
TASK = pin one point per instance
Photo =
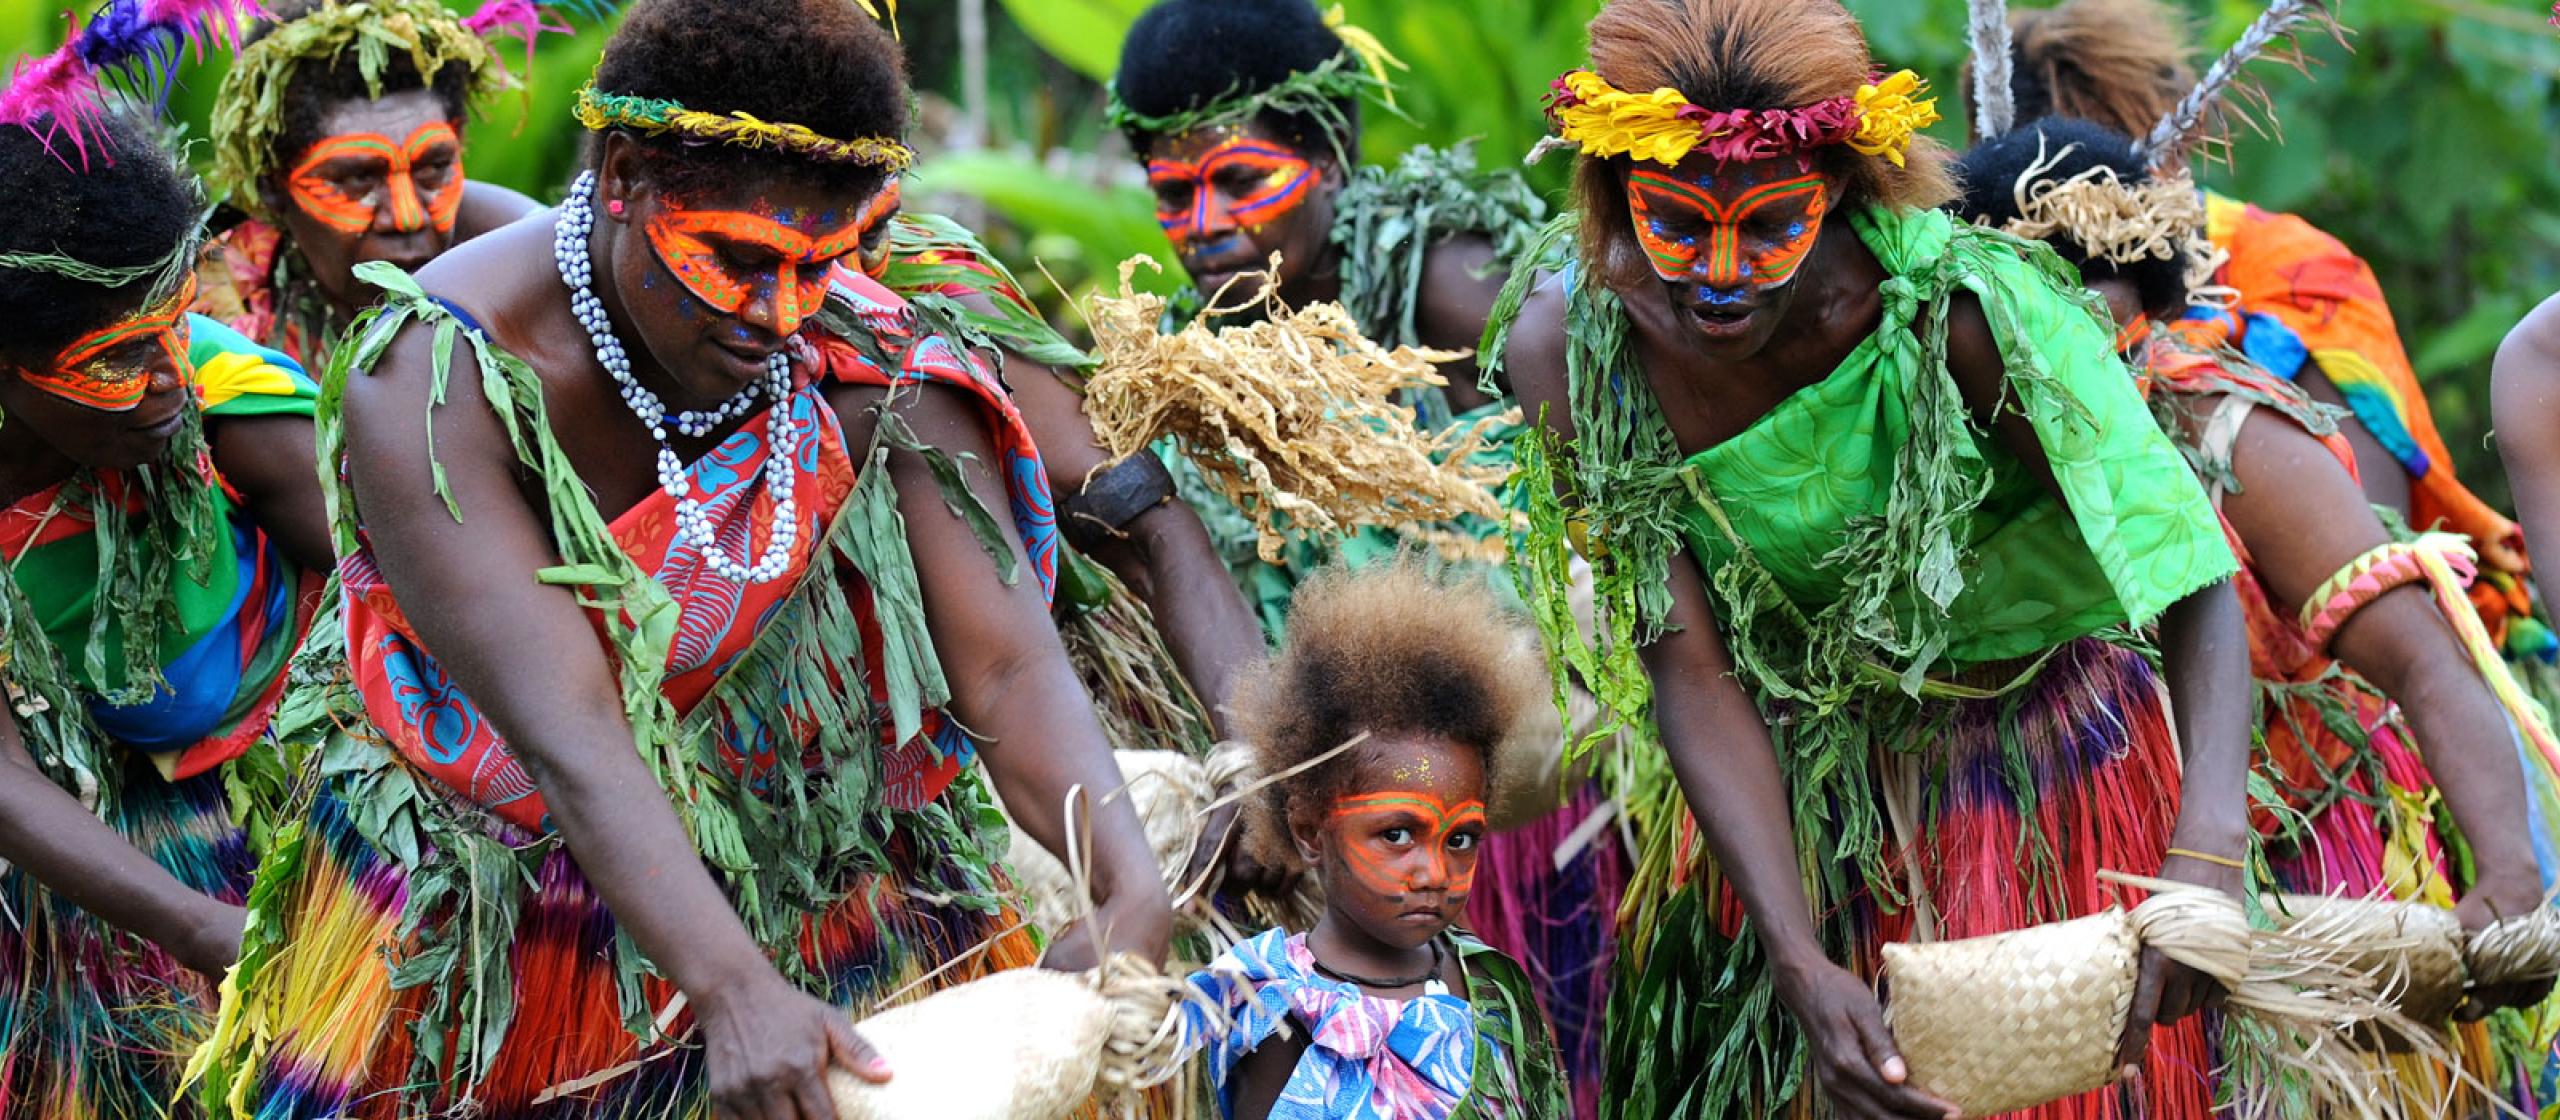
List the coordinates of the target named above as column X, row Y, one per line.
column 1534, row 356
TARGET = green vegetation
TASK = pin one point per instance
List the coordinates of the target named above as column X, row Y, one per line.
column 2428, row 145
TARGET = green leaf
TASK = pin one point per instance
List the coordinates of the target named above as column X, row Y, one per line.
column 1103, row 225
column 1084, row 34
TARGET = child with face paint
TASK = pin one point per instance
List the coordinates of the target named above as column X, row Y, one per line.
column 337, row 152
column 1864, row 514
column 2320, row 578
column 161, row 543
column 1382, row 710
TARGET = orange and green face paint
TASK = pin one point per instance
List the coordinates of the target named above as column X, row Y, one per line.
column 109, row 369
column 727, row 258
column 349, row 182
column 1240, row 183
column 1738, row 228
column 1396, row 843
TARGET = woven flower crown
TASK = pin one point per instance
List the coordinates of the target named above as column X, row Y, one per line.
column 1663, row 126
column 600, row 111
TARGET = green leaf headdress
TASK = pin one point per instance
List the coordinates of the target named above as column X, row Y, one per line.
column 248, row 112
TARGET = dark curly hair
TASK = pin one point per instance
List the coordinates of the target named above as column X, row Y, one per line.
column 318, row 87
column 1990, row 174
column 821, row 64
column 1184, row 54
column 1390, row 650
column 131, row 207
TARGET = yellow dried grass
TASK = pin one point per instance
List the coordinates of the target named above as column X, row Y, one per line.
column 1293, row 417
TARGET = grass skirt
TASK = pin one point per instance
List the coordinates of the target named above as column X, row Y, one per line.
column 344, row 1035
column 1559, row 924
column 95, row 1024
column 2005, row 809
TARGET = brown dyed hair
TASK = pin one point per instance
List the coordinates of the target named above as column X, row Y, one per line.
column 2117, row 63
column 1739, row 54
column 1393, row 650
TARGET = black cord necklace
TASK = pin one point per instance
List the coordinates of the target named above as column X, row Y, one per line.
column 1428, row 975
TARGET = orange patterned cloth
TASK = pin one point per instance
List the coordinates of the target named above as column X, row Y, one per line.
column 2287, row 270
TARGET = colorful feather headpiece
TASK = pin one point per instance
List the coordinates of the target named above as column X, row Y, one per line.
column 248, row 112
column 136, row 44
column 1318, row 93
column 1663, row 126
column 600, row 111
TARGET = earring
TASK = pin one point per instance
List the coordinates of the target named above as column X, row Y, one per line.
column 614, row 207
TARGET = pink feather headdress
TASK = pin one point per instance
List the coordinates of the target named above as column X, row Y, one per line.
column 137, row 43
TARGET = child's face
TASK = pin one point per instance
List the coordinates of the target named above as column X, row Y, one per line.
column 1398, row 850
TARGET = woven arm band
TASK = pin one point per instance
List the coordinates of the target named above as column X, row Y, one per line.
column 2365, row 579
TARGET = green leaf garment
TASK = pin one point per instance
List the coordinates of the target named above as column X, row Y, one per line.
column 145, row 623
column 417, row 947
column 1915, row 617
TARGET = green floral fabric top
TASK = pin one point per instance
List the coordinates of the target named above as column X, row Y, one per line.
column 1821, row 467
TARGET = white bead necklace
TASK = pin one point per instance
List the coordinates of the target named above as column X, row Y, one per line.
column 570, row 230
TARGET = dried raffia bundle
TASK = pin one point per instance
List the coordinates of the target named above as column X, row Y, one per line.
column 2420, row 952
column 1172, row 793
column 2006, row 1022
column 1022, row 1044
column 1293, row 417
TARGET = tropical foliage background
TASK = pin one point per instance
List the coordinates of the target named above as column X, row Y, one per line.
column 2431, row 143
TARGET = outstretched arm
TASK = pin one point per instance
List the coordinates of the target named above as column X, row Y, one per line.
column 526, row 653
column 274, row 462
column 48, row 834
column 1010, row 680
column 2303, row 518
column 1726, row 762
column 1165, row 555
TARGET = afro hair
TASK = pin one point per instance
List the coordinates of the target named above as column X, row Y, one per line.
column 1182, row 55
column 820, row 64
column 2119, row 63
column 1391, row 650
column 1992, row 170
column 128, row 211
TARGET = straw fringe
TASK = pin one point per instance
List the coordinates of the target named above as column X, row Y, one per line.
column 1295, row 418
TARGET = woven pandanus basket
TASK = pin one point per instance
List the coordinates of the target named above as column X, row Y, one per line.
column 2006, row 1022
column 1995, row 1024
column 2413, row 951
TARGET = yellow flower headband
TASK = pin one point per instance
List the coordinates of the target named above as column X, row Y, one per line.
column 1662, row 126
column 600, row 111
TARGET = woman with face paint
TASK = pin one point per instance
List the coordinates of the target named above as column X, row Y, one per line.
column 2309, row 310
column 2285, row 484
column 1384, row 706
column 1863, row 488
column 162, row 531
column 339, row 133
column 687, row 578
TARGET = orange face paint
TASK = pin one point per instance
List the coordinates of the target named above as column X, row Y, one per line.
column 1742, row 227
column 874, row 223
column 109, row 369
column 346, row 182
column 721, row 256
column 1261, row 182
column 2133, row 334
column 1401, row 842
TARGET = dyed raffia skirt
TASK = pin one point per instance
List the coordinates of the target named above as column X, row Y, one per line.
column 347, row 1021
column 2004, row 810
column 96, row 1024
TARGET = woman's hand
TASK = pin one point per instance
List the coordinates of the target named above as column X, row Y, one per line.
column 1142, row 928
column 2165, row 991
column 767, row 1047
column 2485, row 905
column 1854, row 1058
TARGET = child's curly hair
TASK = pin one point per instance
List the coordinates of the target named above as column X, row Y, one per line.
column 1394, row 649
